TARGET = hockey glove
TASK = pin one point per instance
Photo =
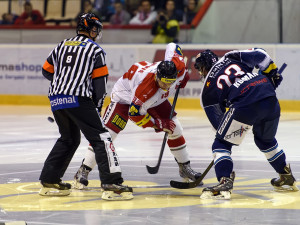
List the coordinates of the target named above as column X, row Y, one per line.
column 274, row 76
column 166, row 125
column 277, row 80
column 184, row 81
column 272, row 73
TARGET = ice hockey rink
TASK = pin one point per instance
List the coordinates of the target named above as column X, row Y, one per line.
column 27, row 137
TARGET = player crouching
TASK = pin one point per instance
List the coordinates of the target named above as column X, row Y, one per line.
column 252, row 105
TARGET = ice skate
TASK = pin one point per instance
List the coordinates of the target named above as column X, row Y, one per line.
column 187, row 173
column 285, row 182
column 58, row 189
column 113, row 192
column 81, row 178
column 221, row 191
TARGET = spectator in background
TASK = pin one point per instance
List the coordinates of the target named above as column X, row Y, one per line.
column 87, row 8
column 190, row 11
column 172, row 12
column 106, row 8
column 120, row 16
column 30, row 16
column 132, row 6
column 165, row 30
column 8, row 18
column 146, row 15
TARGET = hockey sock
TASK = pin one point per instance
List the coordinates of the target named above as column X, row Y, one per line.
column 274, row 155
column 89, row 159
column 178, row 149
column 222, row 158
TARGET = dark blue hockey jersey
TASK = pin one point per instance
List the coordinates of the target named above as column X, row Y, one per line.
column 231, row 82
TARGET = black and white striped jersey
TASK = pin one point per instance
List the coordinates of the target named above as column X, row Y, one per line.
column 72, row 66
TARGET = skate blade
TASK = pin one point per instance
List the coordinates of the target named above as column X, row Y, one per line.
column 286, row 188
column 224, row 195
column 111, row 196
column 78, row 185
column 53, row 192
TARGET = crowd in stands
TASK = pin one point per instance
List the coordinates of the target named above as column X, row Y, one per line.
column 165, row 16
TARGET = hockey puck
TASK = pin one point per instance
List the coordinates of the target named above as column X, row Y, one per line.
column 50, row 119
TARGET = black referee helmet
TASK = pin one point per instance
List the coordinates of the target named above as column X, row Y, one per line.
column 87, row 21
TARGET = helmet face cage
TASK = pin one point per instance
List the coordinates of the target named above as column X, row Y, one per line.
column 87, row 21
column 167, row 72
column 205, row 60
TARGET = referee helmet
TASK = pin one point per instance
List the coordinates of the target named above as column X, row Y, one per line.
column 87, row 21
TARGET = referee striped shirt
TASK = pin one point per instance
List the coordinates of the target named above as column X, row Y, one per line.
column 73, row 64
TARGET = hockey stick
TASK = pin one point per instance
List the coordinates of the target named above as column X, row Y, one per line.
column 184, row 185
column 154, row 170
column 282, row 68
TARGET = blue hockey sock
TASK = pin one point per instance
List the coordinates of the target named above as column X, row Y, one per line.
column 222, row 158
column 274, row 155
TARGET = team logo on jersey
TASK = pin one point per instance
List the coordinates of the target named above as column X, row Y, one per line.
column 134, row 110
column 75, row 43
column 119, row 122
column 178, row 50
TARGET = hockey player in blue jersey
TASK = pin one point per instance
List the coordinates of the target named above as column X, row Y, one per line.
column 236, row 100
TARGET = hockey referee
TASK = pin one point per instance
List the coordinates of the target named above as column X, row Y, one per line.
column 78, row 75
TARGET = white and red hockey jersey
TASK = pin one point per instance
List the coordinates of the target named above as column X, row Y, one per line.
column 138, row 88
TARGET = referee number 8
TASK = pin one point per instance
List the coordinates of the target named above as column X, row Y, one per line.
column 69, row 59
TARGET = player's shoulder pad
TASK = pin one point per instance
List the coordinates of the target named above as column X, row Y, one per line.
column 233, row 55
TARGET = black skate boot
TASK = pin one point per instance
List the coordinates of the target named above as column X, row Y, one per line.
column 113, row 192
column 221, row 191
column 187, row 173
column 81, row 177
column 57, row 189
column 285, row 182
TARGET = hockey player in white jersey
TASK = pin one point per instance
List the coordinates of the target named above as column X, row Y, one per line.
column 141, row 95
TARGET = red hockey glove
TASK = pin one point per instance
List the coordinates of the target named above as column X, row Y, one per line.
column 184, row 81
column 166, row 125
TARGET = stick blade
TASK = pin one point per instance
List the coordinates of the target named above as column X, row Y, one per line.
column 182, row 185
column 152, row 170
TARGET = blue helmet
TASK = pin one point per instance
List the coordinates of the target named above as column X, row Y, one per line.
column 205, row 60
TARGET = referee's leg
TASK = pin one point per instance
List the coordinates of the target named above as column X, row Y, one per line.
column 63, row 150
column 91, row 125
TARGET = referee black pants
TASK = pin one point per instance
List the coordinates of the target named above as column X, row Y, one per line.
column 71, row 121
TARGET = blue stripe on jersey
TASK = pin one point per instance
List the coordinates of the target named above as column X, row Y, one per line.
column 89, row 40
